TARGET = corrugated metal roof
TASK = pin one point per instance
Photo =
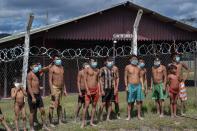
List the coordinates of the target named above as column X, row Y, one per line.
column 157, row 15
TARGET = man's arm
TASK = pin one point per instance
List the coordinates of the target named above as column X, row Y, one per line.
column 146, row 83
column 51, row 79
column 101, row 81
column 65, row 91
column 79, row 76
column 99, row 84
column 125, row 78
column 165, row 76
column 117, row 80
column 151, row 82
column 24, row 92
column 29, row 79
column 85, row 81
column 13, row 93
column 187, row 70
column 141, row 79
column 47, row 68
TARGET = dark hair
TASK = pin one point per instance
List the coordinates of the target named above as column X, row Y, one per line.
column 157, row 58
column 85, row 63
column 33, row 63
column 56, row 55
column 176, row 54
column 171, row 67
column 133, row 56
column 140, row 58
column 92, row 59
column 109, row 58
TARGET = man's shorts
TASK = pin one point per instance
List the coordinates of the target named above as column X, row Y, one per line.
column 93, row 97
column 109, row 95
column 39, row 103
column 158, row 92
column 81, row 99
column 135, row 93
column 56, row 93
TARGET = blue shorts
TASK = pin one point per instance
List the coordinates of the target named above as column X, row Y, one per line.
column 135, row 93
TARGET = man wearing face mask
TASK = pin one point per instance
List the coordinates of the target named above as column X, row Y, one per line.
column 34, row 96
column 109, row 87
column 134, row 84
column 143, row 72
column 158, row 85
column 180, row 66
column 91, row 78
column 42, row 70
column 58, row 88
column 81, row 89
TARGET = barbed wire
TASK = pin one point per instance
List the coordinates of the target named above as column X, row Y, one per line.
column 11, row 54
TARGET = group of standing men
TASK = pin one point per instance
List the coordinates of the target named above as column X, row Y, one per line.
column 165, row 81
column 93, row 83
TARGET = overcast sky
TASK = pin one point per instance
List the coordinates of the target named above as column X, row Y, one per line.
column 13, row 13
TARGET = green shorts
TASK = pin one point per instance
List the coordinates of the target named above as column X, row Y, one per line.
column 158, row 92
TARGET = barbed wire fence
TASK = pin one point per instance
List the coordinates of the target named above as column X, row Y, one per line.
column 11, row 60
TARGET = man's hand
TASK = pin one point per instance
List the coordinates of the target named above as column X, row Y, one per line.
column 126, row 89
column 1, row 117
column 80, row 94
column 103, row 93
column 65, row 93
column 34, row 100
column 88, row 93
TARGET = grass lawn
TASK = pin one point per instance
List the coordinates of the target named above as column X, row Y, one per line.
column 151, row 120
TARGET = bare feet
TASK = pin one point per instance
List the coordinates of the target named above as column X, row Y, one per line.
column 161, row 116
column 32, row 129
column 175, row 115
column 108, row 120
column 92, row 124
column 83, row 125
column 172, row 116
column 128, row 119
column 118, row 117
column 45, row 128
column 140, row 118
column 52, row 125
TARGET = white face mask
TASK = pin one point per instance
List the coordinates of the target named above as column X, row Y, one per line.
column 157, row 63
column 86, row 66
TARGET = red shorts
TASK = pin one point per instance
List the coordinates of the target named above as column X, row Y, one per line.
column 173, row 93
column 94, row 95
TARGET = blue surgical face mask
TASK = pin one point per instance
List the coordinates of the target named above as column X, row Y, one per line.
column 141, row 65
column 35, row 69
column 177, row 58
column 39, row 67
column 110, row 64
column 93, row 64
column 134, row 62
column 58, row 62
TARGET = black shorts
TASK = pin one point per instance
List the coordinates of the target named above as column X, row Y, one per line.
column 109, row 95
column 81, row 99
column 39, row 103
